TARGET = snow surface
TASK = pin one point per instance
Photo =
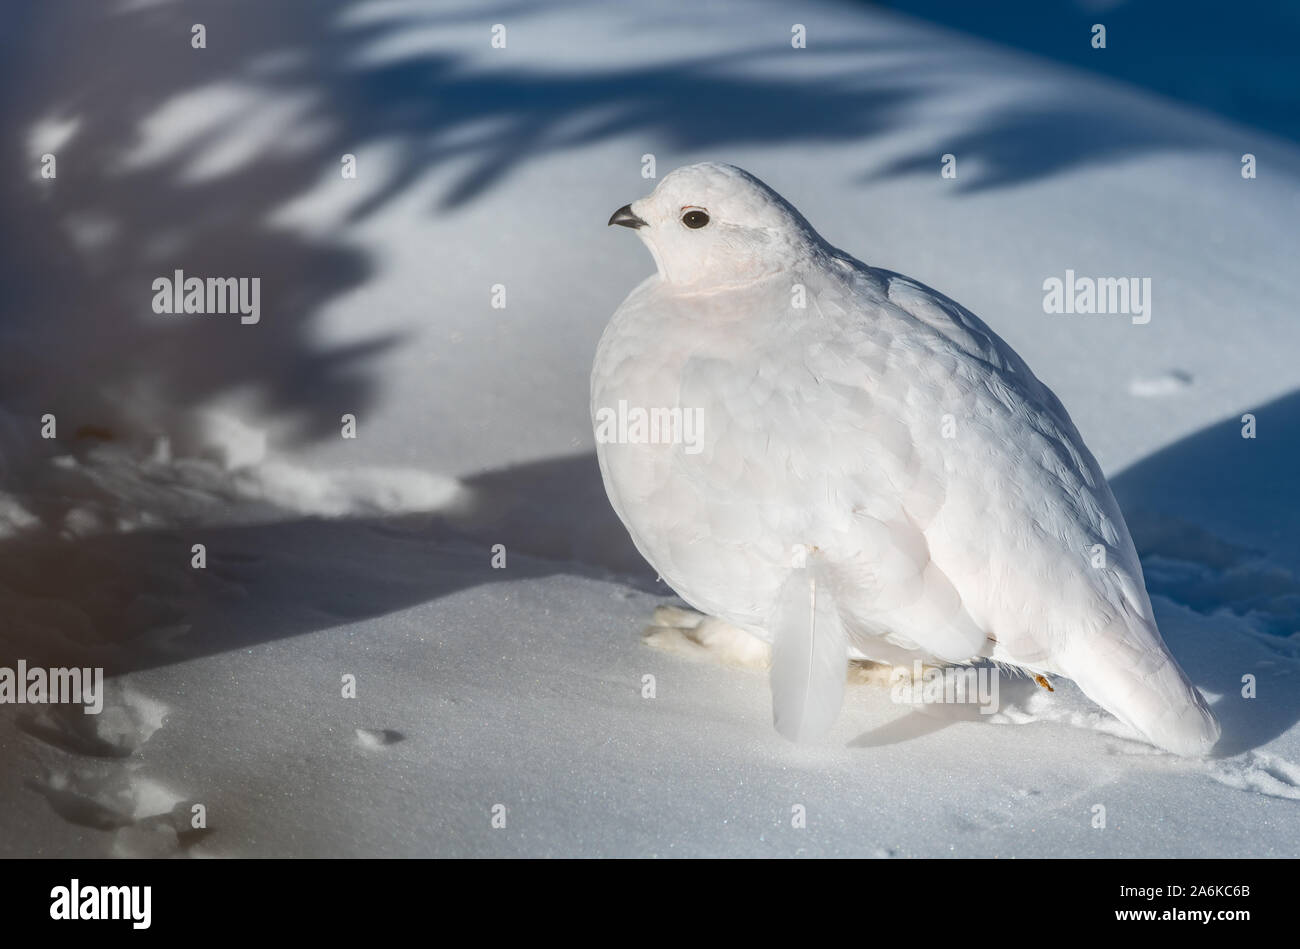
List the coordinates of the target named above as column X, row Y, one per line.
column 372, row 556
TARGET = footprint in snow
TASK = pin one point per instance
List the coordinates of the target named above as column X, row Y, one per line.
column 378, row 737
column 127, row 720
column 1163, row 384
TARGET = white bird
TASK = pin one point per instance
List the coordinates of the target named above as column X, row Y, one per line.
column 874, row 474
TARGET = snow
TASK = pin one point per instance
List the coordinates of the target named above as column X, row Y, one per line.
column 372, row 557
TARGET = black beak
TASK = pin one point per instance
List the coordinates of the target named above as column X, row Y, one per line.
column 625, row 217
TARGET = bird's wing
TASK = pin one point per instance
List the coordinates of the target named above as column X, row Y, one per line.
column 982, row 491
column 968, row 334
column 1041, row 442
column 1060, row 542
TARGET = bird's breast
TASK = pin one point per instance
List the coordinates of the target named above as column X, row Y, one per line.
column 712, row 440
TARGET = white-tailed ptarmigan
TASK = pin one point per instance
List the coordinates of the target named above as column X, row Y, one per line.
column 845, row 464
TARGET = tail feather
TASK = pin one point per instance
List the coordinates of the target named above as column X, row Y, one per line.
column 809, row 656
column 1129, row 671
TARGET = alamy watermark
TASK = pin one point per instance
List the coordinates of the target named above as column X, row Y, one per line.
column 933, row 685
column 77, row 901
column 634, row 425
column 1100, row 295
column 181, row 294
column 35, row 685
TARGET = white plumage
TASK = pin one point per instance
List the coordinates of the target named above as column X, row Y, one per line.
column 943, row 503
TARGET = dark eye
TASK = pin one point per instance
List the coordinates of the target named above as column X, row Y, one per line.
column 695, row 219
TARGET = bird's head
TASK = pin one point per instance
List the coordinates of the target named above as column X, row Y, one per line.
column 713, row 225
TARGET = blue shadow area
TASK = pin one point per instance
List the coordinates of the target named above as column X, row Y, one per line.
column 1239, row 61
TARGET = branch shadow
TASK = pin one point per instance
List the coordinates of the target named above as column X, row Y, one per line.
column 176, row 158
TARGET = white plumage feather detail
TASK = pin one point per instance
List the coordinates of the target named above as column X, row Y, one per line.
column 955, row 510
